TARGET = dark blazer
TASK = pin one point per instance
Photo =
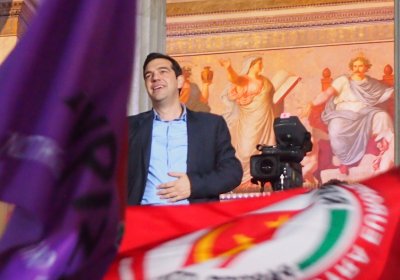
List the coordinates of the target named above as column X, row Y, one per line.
column 212, row 167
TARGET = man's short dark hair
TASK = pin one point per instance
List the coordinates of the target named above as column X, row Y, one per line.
column 175, row 65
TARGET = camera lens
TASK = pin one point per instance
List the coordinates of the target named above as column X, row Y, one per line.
column 267, row 166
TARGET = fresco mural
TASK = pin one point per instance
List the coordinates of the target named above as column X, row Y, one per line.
column 351, row 122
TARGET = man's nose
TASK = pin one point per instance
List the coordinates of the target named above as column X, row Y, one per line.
column 155, row 76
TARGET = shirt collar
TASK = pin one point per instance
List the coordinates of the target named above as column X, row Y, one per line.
column 182, row 117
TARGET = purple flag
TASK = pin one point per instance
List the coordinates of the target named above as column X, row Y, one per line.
column 63, row 95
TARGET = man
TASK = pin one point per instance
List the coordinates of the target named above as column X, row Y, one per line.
column 353, row 114
column 177, row 156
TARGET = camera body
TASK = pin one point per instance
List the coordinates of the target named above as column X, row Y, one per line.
column 280, row 164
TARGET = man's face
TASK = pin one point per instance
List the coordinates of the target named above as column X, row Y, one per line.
column 160, row 81
column 359, row 67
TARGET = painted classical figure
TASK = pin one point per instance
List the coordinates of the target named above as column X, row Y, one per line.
column 353, row 115
column 191, row 95
column 250, row 113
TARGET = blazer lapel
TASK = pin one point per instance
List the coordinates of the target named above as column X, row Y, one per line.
column 192, row 125
column 145, row 138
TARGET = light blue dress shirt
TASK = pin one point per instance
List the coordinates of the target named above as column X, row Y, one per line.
column 169, row 149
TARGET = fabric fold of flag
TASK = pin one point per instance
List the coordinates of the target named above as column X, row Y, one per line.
column 340, row 231
column 63, row 98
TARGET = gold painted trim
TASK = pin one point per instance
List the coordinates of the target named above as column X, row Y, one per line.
column 288, row 21
column 188, row 8
column 280, row 39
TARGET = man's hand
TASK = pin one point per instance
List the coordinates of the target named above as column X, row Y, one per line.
column 175, row 190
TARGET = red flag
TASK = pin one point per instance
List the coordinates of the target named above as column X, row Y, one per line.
column 341, row 231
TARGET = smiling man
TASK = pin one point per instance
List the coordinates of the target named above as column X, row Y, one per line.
column 177, row 156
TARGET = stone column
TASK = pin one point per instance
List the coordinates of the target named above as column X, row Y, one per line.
column 150, row 37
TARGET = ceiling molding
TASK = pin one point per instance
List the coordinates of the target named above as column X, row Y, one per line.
column 331, row 23
column 201, row 7
column 275, row 22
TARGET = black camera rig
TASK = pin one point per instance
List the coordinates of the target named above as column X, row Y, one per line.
column 280, row 164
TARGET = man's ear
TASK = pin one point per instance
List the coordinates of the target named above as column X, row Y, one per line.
column 180, row 80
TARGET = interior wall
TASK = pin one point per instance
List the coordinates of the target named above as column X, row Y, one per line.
column 9, row 19
column 300, row 37
column 7, row 43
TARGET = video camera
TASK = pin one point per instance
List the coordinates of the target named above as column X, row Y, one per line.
column 280, row 164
